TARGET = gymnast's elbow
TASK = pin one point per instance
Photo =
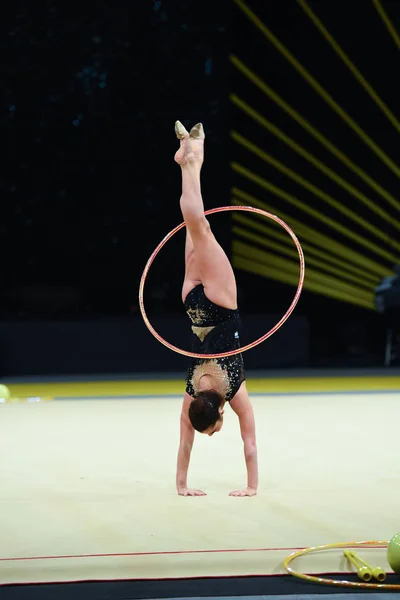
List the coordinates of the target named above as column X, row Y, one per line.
column 185, row 446
column 250, row 447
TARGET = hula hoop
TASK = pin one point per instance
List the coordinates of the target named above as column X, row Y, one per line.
column 263, row 337
column 338, row 582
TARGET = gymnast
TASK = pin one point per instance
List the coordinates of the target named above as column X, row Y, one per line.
column 210, row 298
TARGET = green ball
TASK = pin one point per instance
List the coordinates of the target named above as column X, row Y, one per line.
column 4, row 393
column 393, row 553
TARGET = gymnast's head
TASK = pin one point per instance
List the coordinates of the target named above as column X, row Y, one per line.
column 206, row 410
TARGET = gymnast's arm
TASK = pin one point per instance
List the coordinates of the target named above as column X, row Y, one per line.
column 185, row 449
column 242, row 406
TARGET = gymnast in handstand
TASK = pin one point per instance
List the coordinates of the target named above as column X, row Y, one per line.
column 210, row 298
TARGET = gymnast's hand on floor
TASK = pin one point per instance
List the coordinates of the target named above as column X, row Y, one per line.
column 246, row 492
column 184, row 491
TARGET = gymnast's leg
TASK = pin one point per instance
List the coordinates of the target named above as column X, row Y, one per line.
column 206, row 261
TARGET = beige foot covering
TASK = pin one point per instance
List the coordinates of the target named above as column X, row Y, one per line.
column 196, row 133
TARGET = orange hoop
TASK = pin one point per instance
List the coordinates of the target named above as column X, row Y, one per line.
column 262, row 338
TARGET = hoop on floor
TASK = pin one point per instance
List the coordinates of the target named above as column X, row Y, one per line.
column 291, row 308
column 338, row 582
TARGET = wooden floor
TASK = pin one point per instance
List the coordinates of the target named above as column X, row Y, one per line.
column 96, row 477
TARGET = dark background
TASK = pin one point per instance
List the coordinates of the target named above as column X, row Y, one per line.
column 89, row 187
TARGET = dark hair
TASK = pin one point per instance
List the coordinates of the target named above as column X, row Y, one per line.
column 203, row 410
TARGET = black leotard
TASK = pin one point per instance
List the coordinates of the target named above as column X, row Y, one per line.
column 223, row 338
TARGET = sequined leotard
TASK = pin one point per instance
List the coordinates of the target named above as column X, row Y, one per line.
column 215, row 330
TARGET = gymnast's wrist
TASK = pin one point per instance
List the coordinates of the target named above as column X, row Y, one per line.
column 181, row 483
